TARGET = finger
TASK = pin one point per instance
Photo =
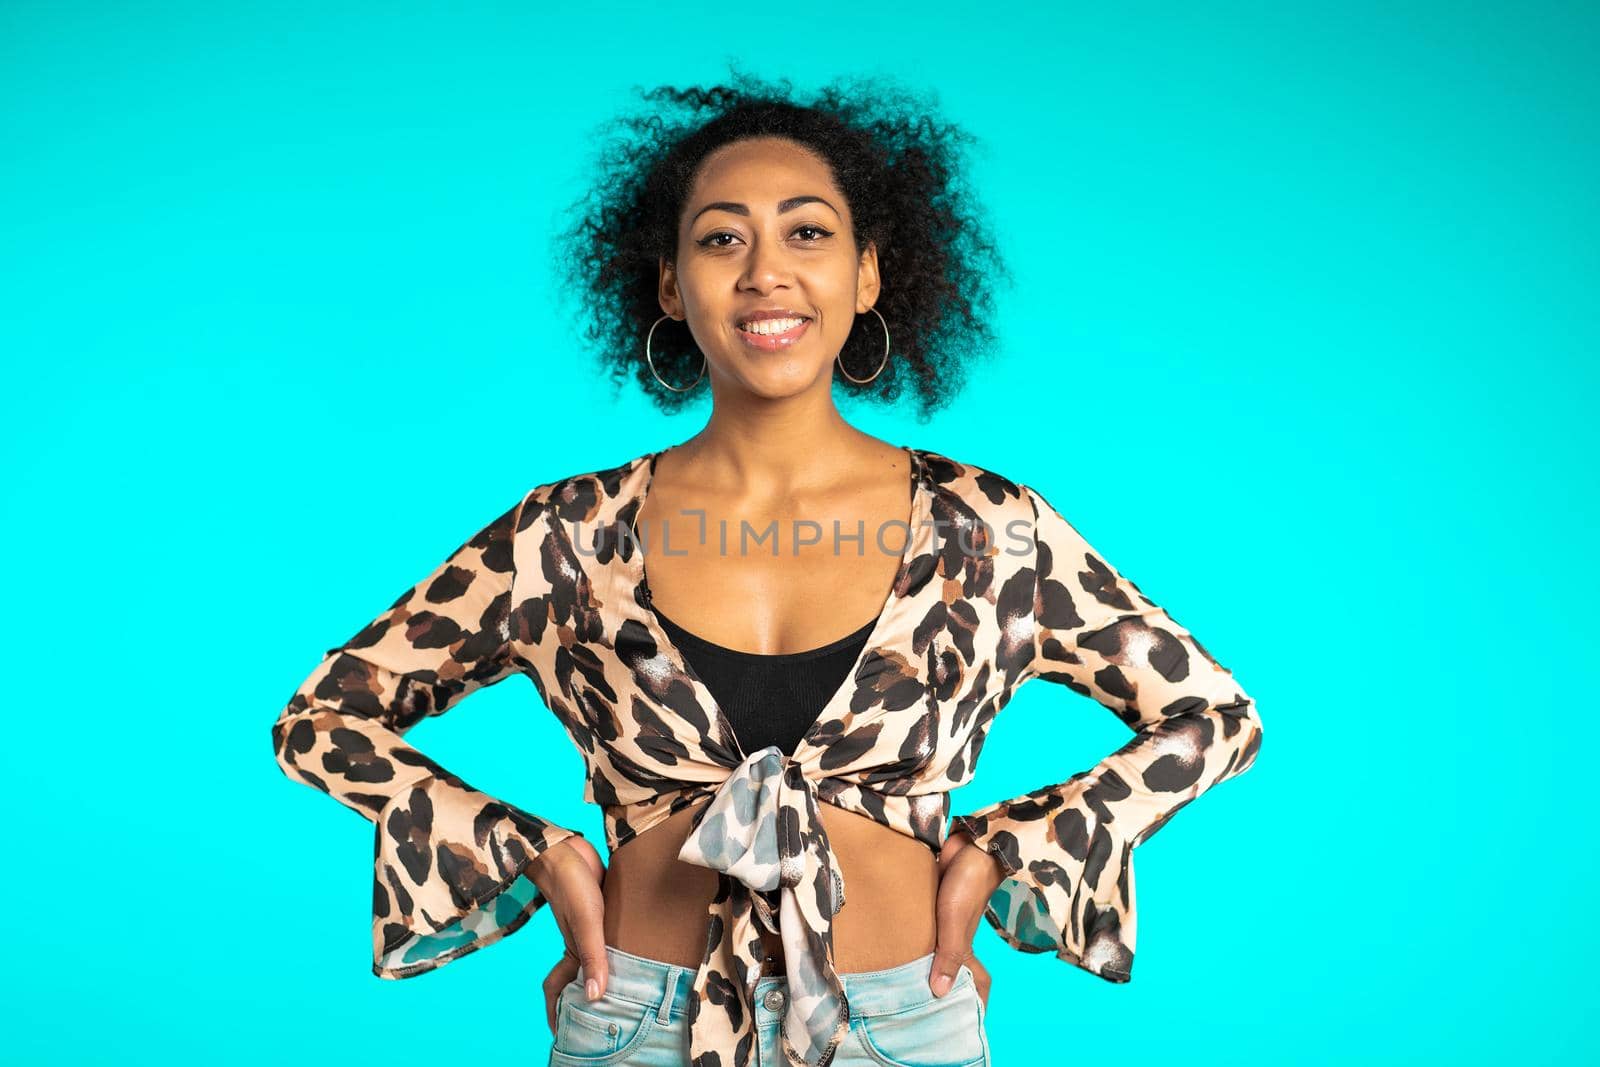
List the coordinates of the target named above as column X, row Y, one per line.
column 947, row 961
column 980, row 977
column 955, row 927
column 954, row 949
column 587, row 920
column 978, row 969
column 563, row 972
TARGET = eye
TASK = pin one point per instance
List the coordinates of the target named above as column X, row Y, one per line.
column 710, row 240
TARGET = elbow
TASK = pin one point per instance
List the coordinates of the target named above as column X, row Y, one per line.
column 293, row 736
column 1249, row 741
column 1237, row 727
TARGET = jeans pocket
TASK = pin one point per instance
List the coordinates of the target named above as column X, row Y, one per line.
column 983, row 1024
column 598, row 1032
column 935, row 1033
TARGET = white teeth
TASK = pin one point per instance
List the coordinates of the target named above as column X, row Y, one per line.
column 770, row 326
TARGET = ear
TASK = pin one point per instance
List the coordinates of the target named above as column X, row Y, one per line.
column 868, row 285
column 667, row 289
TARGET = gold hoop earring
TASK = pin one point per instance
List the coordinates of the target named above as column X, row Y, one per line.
column 884, row 363
column 648, row 358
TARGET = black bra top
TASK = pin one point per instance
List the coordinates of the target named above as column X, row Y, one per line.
column 769, row 699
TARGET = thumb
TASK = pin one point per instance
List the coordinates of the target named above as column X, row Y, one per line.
column 954, row 948
column 587, row 924
column 957, row 914
column 946, row 967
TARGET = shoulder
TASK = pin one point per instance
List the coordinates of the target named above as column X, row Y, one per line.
column 580, row 495
column 967, row 495
column 980, row 488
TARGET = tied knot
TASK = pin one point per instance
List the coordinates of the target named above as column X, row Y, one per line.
column 762, row 830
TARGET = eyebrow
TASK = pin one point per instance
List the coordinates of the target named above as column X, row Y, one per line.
column 783, row 206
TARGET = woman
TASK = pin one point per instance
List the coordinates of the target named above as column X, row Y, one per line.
column 764, row 731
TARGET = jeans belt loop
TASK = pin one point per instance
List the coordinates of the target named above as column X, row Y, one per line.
column 664, row 1012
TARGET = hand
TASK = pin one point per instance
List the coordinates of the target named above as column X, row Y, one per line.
column 554, row 982
column 570, row 876
column 968, row 877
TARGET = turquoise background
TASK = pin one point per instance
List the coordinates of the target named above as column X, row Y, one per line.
column 1303, row 340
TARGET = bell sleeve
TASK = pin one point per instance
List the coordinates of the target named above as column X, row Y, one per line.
column 449, row 861
column 1067, row 849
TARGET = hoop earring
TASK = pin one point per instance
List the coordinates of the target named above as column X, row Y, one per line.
column 648, row 358
column 882, row 364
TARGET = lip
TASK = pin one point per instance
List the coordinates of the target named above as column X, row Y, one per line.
column 774, row 342
column 770, row 313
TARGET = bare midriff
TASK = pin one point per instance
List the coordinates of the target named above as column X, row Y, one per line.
column 657, row 905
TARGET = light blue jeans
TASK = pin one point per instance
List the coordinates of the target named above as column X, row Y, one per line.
column 895, row 1020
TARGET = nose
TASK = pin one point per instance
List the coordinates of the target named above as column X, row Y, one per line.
column 767, row 266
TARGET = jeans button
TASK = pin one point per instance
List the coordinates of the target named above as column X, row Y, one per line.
column 774, row 1000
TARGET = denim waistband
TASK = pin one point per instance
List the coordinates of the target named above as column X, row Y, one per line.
column 654, row 983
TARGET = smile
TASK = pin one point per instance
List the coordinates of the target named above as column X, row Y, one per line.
column 770, row 335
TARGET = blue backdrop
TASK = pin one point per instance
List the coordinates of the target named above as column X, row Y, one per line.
column 1303, row 339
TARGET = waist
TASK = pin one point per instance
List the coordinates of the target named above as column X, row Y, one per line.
column 647, row 981
column 656, row 905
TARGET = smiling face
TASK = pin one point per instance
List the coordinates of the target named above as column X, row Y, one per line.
column 765, row 229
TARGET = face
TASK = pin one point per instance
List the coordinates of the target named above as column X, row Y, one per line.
column 765, row 227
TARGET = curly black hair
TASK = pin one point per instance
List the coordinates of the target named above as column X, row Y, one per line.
column 900, row 170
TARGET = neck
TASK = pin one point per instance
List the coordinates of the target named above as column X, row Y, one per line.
column 778, row 446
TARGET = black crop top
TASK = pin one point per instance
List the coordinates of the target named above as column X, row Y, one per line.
column 769, row 699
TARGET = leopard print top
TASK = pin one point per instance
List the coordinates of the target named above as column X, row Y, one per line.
column 994, row 588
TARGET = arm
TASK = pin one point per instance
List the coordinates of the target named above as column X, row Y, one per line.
column 450, row 862
column 1067, row 849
